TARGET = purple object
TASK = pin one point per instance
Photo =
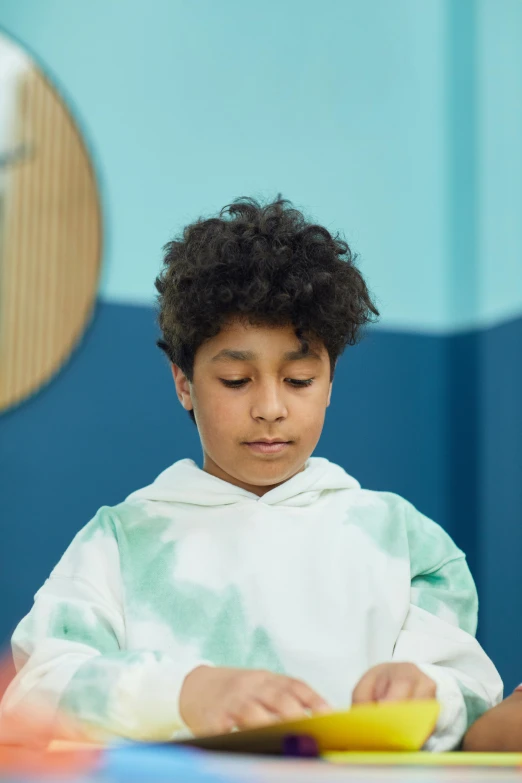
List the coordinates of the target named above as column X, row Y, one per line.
column 301, row 745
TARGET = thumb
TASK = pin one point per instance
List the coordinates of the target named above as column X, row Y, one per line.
column 364, row 691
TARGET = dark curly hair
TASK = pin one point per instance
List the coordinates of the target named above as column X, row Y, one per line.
column 268, row 265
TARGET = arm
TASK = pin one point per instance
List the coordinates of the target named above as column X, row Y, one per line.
column 499, row 729
column 74, row 672
column 76, row 680
column 439, row 632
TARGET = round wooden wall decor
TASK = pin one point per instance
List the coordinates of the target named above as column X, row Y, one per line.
column 50, row 229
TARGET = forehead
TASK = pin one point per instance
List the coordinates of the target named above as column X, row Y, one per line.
column 258, row 342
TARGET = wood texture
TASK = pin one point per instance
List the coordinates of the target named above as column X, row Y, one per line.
column 51, row 243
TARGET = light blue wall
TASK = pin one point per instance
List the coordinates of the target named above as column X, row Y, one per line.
column 338, row 105
column 396, row 122
column 500, row 150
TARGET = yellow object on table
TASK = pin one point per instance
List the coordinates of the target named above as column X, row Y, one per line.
column 385, row 726
column 424, row 758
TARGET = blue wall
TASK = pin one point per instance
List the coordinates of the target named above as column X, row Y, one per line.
column 437, row 419
column 111, row 422
column 398, row 123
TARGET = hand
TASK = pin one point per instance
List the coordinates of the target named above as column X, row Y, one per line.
column 394, row 682
column 215, row 700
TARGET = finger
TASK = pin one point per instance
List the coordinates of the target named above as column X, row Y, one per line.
column 399, row 689
column 382, row 684
column 222, row 724
column 309, row 698
column 283, row 703
column 254, row 714
column 365, row 688
column 425, row 689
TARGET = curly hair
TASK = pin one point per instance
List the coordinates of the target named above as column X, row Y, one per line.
column 268, row 265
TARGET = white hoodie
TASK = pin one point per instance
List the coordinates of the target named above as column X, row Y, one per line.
column 318, row 579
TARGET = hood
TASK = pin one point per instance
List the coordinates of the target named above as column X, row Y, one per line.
column 185, row 482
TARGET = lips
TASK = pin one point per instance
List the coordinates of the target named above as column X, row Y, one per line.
column 265, row 440
column 268, row 446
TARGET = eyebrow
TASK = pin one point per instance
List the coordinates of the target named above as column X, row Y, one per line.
column 250, row 356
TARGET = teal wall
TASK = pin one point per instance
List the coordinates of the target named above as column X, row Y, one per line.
column 395, row 121
column 499, row 134
column 398, row 122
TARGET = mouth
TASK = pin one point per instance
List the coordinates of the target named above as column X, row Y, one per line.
column 268, row 446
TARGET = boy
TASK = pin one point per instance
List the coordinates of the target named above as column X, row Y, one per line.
column 267, row 584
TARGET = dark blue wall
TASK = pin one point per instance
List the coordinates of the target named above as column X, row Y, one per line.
column 436, row 419
column 500, row 496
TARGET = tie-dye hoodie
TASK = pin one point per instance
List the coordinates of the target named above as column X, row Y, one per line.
column 318, row 579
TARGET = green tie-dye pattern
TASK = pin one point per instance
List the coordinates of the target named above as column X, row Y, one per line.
column 475, row 705
column 101, row 525
column 83, row 625
column 389, row 536
column 405, row 533
column 429, row 546
column 262, row 654
column 452, row 587
column 214, row 620
column 440, row 577
column 88, row 695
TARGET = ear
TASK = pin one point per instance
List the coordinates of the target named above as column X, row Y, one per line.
column 182, row 385
column 331, row 384
column 329, row 394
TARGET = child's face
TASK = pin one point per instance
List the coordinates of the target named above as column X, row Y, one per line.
column 252, row 384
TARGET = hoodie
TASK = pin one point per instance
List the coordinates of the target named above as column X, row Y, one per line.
column 318, row 579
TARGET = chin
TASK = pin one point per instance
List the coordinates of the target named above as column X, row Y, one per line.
column 267, row 474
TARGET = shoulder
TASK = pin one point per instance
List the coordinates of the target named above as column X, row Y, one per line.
column 120, row 521
column 94, row 544
column 99, row 540
column 381, row 516
column 387, row 507
column 431, row 547
column 403, row 529
column 130, row 527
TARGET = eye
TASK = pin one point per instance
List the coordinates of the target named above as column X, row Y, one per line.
column 298, row 383
column 238, row 384
column 234, row 384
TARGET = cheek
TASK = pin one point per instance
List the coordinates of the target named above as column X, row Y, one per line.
column 314, row 413
column 217, row 410
column 311, row 421
column 313, row 406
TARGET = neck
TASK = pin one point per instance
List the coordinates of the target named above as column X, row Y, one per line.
column 209, row 466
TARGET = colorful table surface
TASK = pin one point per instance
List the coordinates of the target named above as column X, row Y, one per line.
column 162, row 764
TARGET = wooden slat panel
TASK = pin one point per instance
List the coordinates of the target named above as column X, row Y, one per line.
column 51, row 245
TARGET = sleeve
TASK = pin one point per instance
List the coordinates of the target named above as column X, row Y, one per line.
column 438, row 634
column 75, row 678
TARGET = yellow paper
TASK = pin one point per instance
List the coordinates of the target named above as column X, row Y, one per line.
column 458, row 759
column 384, row 726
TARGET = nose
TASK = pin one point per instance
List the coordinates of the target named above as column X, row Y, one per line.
column 268, row 403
